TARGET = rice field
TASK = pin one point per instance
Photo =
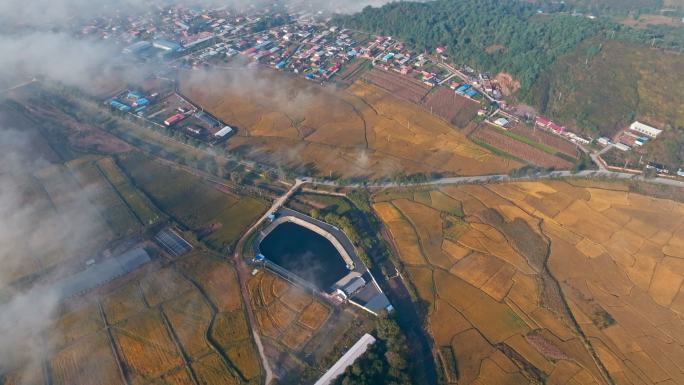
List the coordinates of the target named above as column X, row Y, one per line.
column 359, row 131
column 162, row 327
column 216, row 215
column 494, row 313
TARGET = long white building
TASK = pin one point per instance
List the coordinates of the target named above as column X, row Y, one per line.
column 645, row 129
column 347, row 359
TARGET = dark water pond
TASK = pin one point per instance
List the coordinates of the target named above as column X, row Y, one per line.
column 304, row 253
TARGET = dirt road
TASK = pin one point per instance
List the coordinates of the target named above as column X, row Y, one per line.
column 244, row 272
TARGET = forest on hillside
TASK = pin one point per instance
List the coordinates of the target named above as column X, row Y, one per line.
column 501, row 35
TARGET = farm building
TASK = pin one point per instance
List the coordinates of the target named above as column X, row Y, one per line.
column 347, row 359
column 603, row 141
column 223, row 132
column 171, row 120
column 645, row 129
column 501, row 122
column 621, row 146
column 119, row 106
column 137, row 48
column 351, row 287
column 166, row 45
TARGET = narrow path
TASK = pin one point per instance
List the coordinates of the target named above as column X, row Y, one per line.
column 244, row 271
column 179, row 347
column 110, row 338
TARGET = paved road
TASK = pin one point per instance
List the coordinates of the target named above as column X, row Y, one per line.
column 244, row 272
column 506, row 178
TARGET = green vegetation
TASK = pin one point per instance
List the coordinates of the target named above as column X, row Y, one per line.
column 140, row 206
column 603, row 7
column 216, row 217
column 603, row 86
column 597, row 75
column 529, row 43
column 385, row 362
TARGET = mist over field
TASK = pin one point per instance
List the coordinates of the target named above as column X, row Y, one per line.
column 29, row 234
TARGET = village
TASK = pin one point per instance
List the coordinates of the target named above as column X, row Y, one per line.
column 305, row 44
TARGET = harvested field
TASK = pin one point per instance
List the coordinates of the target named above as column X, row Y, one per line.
column 352, row 71
column 124, row 303
column 300, row 332
column 490, row 136
column 497, row 309
column 364, row 130
column 163, row 285
column 314, row 315
column 210, row 370
column 145, row 347
column 217, row 278
column 402, row 86
column 246, row 359
column 545, row 138
column 75, row 324
column 230, row 328
column 89, row 361
column 455, row 109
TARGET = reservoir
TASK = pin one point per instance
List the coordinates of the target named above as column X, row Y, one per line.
column 305, row 253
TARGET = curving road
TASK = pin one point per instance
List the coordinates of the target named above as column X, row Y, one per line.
column 244, row 271
column 506, row 178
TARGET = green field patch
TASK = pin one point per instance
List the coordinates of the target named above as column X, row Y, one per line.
column 218, row 217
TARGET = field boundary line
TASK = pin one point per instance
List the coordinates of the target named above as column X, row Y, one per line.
column 112, row 344
column 564, row 302
column 181, row 350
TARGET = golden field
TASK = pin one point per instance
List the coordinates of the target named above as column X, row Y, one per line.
column 558, row 282
column 284, row 312
column 165, row 326
column 361, row 130
column 302, row 334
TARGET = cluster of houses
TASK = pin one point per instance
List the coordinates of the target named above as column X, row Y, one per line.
column 551, row 126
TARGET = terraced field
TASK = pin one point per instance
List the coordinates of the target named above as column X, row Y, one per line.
column 302, row 335
column 555, row 282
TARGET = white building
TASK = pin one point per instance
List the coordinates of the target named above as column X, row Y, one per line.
column 501, row 122
column 645, row 129
column 347, row 359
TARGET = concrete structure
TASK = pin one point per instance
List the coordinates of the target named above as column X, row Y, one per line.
column 166, row 45
column 621, row 147
column 316, row 229
column 645, row 129
column 100, row 273
column 358, row 286
column 347, row 359
column 223, row 132
column 501, row 122
column 137, row 48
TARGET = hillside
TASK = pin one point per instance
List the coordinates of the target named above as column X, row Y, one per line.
column 596, row 75
column 602, row 86
column 527, row 43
